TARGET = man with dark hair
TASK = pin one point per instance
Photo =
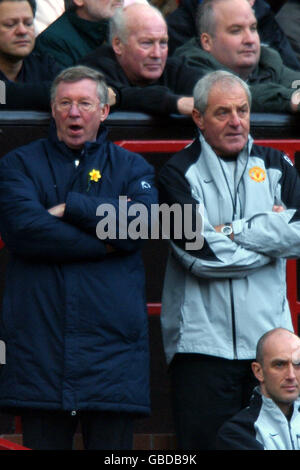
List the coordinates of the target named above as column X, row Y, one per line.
column 272, row 419
column 78, row 31
column 76, row 334
column 136, row 64
column 182, row 26
column 288, row 17
column 228, row 40
column 27, row 75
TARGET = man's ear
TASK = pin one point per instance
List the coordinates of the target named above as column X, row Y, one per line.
column 117, row 45
column 53, row 110
column 206, row 42
column 104, row 112
column 257, row 371
column 78, row 3
column 198, row 119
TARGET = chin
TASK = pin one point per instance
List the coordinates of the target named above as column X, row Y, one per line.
column 152, row 76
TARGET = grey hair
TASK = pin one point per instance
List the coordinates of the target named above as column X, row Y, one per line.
column 206, row 83
column 118, row 22
column 206, row 17
column 81, row 72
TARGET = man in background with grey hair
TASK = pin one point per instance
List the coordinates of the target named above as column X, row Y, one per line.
column 218, row 300
column 79, row 30
column 77, row 345
column 136, row 64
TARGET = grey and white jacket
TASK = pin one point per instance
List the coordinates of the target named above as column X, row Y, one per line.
column 219, row 299
column 261, row 426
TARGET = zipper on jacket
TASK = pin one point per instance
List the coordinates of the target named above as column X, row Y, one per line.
column 291, row 436
column 234, row 209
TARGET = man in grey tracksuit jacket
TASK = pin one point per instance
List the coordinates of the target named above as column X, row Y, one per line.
column 271, row 421
column 261, row 426
column 218, row 300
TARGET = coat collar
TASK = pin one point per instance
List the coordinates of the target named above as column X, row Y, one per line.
column 69, row 153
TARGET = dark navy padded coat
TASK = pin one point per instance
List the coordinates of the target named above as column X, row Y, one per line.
column 74, row 317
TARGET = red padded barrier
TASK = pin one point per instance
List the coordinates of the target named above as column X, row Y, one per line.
column 8, row 445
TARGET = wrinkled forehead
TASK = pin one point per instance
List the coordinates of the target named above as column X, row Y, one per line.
column 84, row 87
column 284, row 347
column 225, row 93
column 148, row 24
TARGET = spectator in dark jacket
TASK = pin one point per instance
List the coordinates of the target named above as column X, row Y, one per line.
column 79, row 30
column 182, row 27
column 76, row 333
column 137, row 67
column 228, row 40
column 27, row 75
column 288, row 17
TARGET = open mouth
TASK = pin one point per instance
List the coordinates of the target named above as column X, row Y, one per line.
column 74, row 128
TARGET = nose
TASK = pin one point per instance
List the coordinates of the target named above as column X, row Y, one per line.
column 156, row 50
column 291, row 372
column 250, row 35
column 21, row 28
column 74, row 110
column 235, row 120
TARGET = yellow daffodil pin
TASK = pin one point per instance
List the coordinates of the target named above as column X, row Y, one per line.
column 95, row 175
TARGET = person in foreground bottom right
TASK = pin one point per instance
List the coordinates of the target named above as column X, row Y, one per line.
column 272, row 419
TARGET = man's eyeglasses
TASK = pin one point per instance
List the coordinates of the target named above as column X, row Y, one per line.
column 83, row 106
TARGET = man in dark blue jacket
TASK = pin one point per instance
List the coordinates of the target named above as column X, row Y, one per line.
column 74, row 317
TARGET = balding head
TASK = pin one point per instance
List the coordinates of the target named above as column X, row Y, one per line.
column 139, row 38
column 277, row 367
column 276, row 339
column 132, row 16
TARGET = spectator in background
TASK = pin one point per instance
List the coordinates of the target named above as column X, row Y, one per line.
column 228, row 39
column 46, row 12
column 79, row 30
column 288, row 18
column 137, row 67
column 27, row 75
column 272, row 419
column 182, row 26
